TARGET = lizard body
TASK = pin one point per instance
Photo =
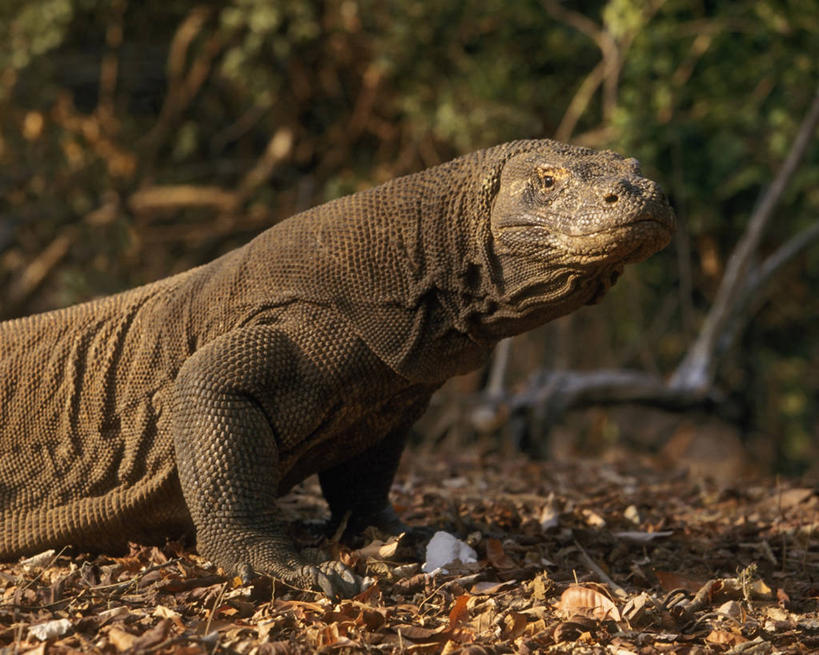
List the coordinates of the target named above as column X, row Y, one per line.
column 191, row 403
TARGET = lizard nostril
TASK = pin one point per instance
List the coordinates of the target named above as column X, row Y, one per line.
column 611, row 198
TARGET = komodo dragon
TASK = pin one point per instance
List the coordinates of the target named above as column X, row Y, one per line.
column 192, row 403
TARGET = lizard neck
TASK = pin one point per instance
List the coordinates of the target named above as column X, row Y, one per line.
column 428, row 294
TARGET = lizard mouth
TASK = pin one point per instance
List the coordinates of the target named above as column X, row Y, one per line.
column 628, row 242
column 660, row 222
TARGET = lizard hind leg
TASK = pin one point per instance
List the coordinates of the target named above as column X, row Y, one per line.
column 358, row 489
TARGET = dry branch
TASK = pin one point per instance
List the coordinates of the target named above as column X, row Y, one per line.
column 278, row 149
column 606, row 72
column 184, row 84
column 109, row 66
column 35, row 273
column 176, row 197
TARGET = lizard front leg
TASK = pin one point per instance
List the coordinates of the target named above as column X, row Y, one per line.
column 228, row 458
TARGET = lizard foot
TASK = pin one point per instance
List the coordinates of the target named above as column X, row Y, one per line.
column 330, row 577
column 334, row 579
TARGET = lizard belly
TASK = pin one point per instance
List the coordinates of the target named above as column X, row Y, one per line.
column 349, row 430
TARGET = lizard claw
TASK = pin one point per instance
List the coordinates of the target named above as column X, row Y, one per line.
column 245, row 572
column 334, row 579
column 330, row 576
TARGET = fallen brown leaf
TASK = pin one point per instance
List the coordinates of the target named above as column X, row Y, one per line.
column 579, row 597
column 497, row 555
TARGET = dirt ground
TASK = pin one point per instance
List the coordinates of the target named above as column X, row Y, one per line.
column 623, row 556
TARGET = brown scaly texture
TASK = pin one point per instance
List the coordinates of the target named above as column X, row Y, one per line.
column 193, row 402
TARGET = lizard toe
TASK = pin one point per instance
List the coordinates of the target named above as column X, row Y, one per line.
column 245, row 572
column 334, row 579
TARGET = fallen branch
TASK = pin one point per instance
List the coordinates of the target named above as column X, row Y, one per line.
column 567, row 389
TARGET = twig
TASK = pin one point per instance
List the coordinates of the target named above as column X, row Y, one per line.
column 243, row 124
column 600, row 573
column 124, row 584
column 566, row 389
column 213, row 610
column 278, row 148
column 606, row 67
column 31, row 582
column 109, row 66
column 174, row 197
column 35, row 274
column 182, row 88
column 606, row 72
column 754, row 293
column 781, row 256
column 580, row 102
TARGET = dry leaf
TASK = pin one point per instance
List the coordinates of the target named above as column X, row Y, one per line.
column 459, row 612
column 450, row 647
column 417, row 633
column 38, row 650
column 632, row 514
column 669, row 580
column 789, row 498
column 166, row 609
column 535, row 627
column 489, row 588
column 731, row 609
column 579, row 598
column 550, row 514
column 483, row 621
column 497, row 555
column 725, row 637
column 114, row 612
column 514, row 624
column 153, row 636
column 593, row 519
column 380, row 549
column 120, row 639
column 760, row 591
column 38, row 560
column 541, row 585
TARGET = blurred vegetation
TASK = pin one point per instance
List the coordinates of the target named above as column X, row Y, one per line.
column 141, row 138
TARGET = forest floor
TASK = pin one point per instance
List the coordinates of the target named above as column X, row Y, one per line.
column 572, row 557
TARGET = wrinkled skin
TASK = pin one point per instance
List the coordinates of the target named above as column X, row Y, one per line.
column 191, row 404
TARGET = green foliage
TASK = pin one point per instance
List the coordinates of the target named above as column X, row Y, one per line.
column 30, row 30
column 707, row 95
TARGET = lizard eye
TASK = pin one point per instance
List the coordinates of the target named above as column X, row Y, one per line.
column 544, row 183
column 546, row 180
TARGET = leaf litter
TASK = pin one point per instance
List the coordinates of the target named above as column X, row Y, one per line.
column 575, row 556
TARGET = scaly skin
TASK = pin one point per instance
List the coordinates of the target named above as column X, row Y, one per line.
column 192, row 403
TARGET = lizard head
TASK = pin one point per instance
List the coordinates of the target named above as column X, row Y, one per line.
column 566, row 220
